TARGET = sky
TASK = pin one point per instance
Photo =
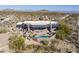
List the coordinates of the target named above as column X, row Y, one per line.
column 41, row 7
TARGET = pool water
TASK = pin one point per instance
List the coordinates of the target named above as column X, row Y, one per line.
column 40, row 37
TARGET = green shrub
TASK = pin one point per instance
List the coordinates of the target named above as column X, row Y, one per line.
column 45, row 42
column 3, row 30
column 30, row 46
column 17, row 43
column 63, row 31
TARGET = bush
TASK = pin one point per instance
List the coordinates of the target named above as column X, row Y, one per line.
column 39, row 49
column 30, row 46
column 45, row 42
column 63, row 31
column 17, row 43
column 3, row 30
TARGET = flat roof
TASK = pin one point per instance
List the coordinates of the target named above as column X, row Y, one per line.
column 40, row 22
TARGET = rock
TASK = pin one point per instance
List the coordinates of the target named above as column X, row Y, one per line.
column 77, row 45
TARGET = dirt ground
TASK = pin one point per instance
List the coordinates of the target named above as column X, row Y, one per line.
column 4, row 41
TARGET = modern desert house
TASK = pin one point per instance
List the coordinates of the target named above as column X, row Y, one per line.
column 31, row 25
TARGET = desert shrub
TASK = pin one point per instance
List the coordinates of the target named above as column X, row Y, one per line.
column 17, row 43
column 39, row 48
column 3, row 30
column 45, row 48
column 30, row 46
column 45, row 42
column 53, row 46
column 63, row 31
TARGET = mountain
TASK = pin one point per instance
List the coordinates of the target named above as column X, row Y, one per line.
column 43, row 10
column 8, row 10
column 71, row 12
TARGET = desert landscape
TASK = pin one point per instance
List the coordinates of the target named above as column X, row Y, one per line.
column 64, row 40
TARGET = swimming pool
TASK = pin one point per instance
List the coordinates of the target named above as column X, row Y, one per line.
column 40, row 37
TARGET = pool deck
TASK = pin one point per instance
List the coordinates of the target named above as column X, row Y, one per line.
column 38, row 33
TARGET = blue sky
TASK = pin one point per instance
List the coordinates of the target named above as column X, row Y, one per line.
column 40, row 7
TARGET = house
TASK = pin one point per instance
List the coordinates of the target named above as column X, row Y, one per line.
column 32, row 25
column 40, row 29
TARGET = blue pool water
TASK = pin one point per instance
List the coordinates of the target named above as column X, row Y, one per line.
column 40, row 37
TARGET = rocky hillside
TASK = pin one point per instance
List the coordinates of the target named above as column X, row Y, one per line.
column 10, row 18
